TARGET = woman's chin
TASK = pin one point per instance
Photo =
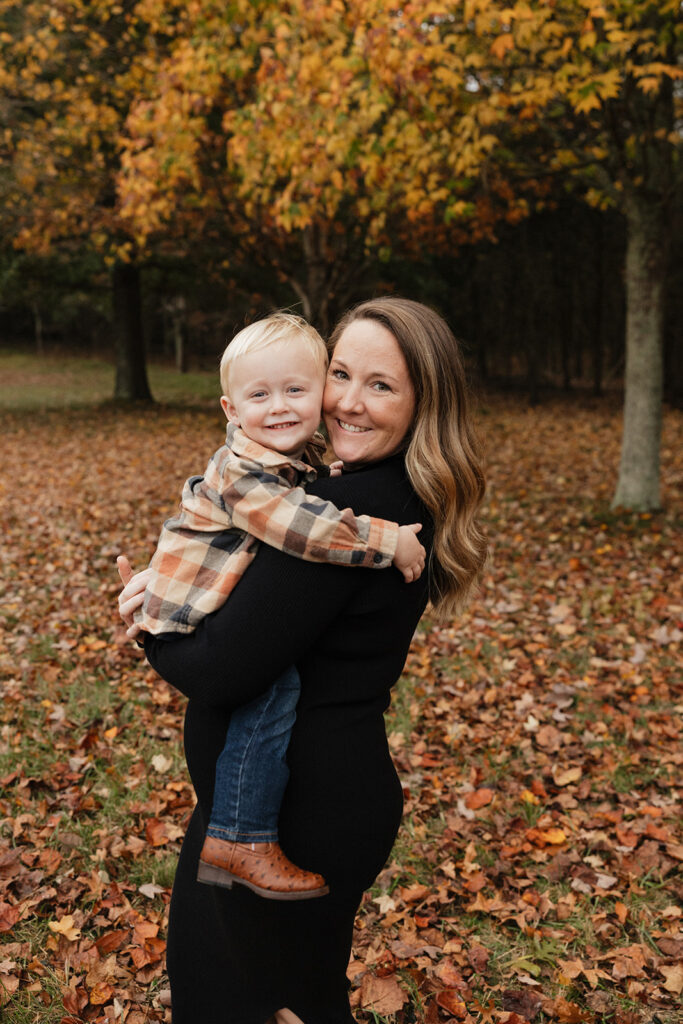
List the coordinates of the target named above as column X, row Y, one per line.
column 350, row 450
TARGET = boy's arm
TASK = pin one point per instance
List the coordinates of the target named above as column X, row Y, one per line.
column 265, row 505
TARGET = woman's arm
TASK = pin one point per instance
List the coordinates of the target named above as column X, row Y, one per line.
column 278, row 609
column 270, row 620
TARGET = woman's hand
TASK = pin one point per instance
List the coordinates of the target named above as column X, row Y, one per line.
column 131, row 597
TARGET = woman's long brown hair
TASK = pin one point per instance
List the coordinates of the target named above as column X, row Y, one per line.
column 443, row 457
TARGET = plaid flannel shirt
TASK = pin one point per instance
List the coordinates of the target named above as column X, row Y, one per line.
column 249, row 494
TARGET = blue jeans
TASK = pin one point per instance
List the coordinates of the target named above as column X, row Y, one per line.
column 251, row 772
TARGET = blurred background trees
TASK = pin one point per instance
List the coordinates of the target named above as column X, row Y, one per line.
column 170, row 170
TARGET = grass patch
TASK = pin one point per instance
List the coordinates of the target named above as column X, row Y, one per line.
column 61, row 382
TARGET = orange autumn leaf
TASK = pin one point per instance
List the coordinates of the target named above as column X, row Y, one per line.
column 478, row 798
column 144, row 930
column 101, row 993
column 547, row 836
column 626, row 836
column 569, row 1013
column 112, row 940
column 450, row 999
column 475, row 882
column 621, row 910
column 657, row 832
column 155, row 830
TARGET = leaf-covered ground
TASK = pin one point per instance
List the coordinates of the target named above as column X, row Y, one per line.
column 537, row 875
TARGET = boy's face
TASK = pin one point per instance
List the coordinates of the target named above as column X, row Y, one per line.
column 275, row 396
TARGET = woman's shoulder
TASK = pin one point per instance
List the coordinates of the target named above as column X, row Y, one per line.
column 380, row 489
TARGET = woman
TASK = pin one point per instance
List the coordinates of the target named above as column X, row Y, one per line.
column 395, row 410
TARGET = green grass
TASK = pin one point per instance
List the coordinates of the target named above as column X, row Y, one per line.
column 29, row 382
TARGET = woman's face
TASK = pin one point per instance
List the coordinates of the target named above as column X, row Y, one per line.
column 369, row 399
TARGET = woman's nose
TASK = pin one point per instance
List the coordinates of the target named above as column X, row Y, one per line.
column 350, row 398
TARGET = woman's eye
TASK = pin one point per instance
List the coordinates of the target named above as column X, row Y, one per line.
column 379, row 385
column 339, row 374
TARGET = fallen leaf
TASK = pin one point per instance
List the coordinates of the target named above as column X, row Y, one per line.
column 621, row 910
column 112, row 940
column 155, row 830
column 547, row 836
column 565, row 776
column 9, row 983
column 522, row 1001
column 479, row 798
column 568, row 1013
column 385, row 903
column 9, row 916
column 101, row 993
column 478, row 957
column 570, row 969
column 626, row 836
column 65, row 926
column 150, row 890
column 674, row 977
column 382, row 995
column 451, row 1000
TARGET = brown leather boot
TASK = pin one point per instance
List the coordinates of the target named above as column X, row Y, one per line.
column 262, row 867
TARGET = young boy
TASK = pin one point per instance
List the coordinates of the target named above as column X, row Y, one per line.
column 272, row 376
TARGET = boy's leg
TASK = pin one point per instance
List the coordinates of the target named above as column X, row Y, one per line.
column 252, row 772
column 241, row 842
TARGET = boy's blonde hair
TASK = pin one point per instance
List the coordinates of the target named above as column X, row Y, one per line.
column 277, row 327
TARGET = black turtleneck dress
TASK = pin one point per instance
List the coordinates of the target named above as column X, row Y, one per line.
column 234, row 957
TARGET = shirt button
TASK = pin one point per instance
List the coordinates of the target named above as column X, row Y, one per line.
column 377, row 559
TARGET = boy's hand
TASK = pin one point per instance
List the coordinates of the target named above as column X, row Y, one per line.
column 410, row 555
column 336, row 468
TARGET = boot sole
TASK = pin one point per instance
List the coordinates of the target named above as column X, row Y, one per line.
column 211, row 875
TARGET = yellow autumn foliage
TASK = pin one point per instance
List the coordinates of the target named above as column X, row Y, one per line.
column 156, row 117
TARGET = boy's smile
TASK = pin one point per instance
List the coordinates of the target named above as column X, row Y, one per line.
column 276, row 394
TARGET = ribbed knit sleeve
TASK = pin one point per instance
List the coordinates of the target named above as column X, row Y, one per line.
column 283, row 605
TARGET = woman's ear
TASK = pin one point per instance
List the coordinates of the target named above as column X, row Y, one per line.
column 230, row 411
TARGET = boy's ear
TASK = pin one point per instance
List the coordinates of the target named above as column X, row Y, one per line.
column 229, row 410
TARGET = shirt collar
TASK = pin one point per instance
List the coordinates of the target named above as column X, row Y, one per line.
column 240, row 444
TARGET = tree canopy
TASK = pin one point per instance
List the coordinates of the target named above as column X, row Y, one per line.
column 314, row 138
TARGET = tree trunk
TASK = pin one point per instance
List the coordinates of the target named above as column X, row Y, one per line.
column 314, row 287
column 598, row 317
column 131, row 371
column 38, row 328
column 176, row 308
column 317, row 287
column 638, row 485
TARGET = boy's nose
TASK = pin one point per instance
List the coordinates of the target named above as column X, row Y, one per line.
column 278, row 402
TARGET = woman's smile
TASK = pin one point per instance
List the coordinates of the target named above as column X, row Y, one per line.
column 369, row 398
column 352, row 427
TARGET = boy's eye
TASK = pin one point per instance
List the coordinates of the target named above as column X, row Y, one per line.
column 258, row 394
column 295, row 389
